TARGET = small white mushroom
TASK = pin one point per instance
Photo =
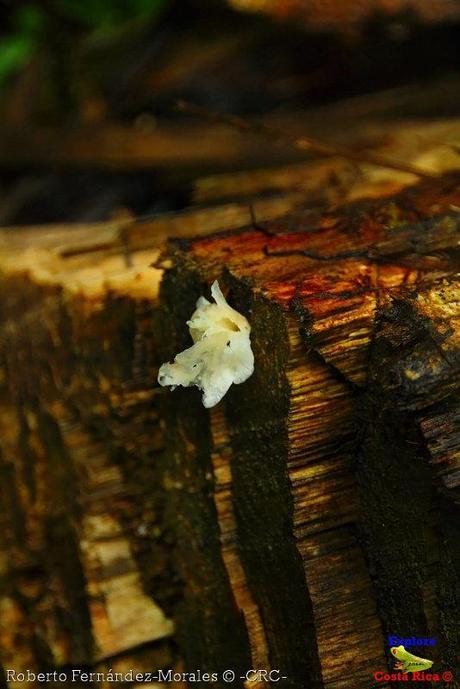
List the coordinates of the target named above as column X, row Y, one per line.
column 221, row 354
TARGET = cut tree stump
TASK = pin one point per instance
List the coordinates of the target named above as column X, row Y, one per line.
column 291, row 528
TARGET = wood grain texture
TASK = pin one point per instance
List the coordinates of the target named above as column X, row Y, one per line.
column 344, row 533
column 88, row 576
column 296, row 525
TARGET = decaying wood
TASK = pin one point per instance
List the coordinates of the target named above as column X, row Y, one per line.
column 83, row 581
column 332, row 472
column 116, row 146
column 303, row 143
column 370, row 131
column 80, row 587
column 350, row 15
column 296, row 525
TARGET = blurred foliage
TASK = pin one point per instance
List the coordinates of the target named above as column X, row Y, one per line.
column 27, row 26
column 106, row 14
column 16, row 47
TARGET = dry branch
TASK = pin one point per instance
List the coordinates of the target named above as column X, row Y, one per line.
column 303, row 143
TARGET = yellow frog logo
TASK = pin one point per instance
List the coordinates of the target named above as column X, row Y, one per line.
column 407, row 662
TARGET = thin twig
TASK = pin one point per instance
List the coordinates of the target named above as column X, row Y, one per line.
column 304, row 143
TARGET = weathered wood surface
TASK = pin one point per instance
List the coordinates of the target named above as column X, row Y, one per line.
column 260, row 528
column 332, row 473
column 87, row 575
column 368, row 125
column 75, row 576
column 349, row 14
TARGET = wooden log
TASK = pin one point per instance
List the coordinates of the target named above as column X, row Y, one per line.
column 368, row 128
column 349, row 16
column 87, row 575
column 81, row 588
column 330, row 476
column 259, row 527
column 115, row 146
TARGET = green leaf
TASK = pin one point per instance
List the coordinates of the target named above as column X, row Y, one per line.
column 14, row 53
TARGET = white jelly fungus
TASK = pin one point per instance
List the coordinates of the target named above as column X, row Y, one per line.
column 221, row 353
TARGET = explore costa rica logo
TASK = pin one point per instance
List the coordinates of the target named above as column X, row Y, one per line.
column 410, row 667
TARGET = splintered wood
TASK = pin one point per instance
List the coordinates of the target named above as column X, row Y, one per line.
column 87, row 562
column 333, row 470
column 70, row 566
column 295, row 526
